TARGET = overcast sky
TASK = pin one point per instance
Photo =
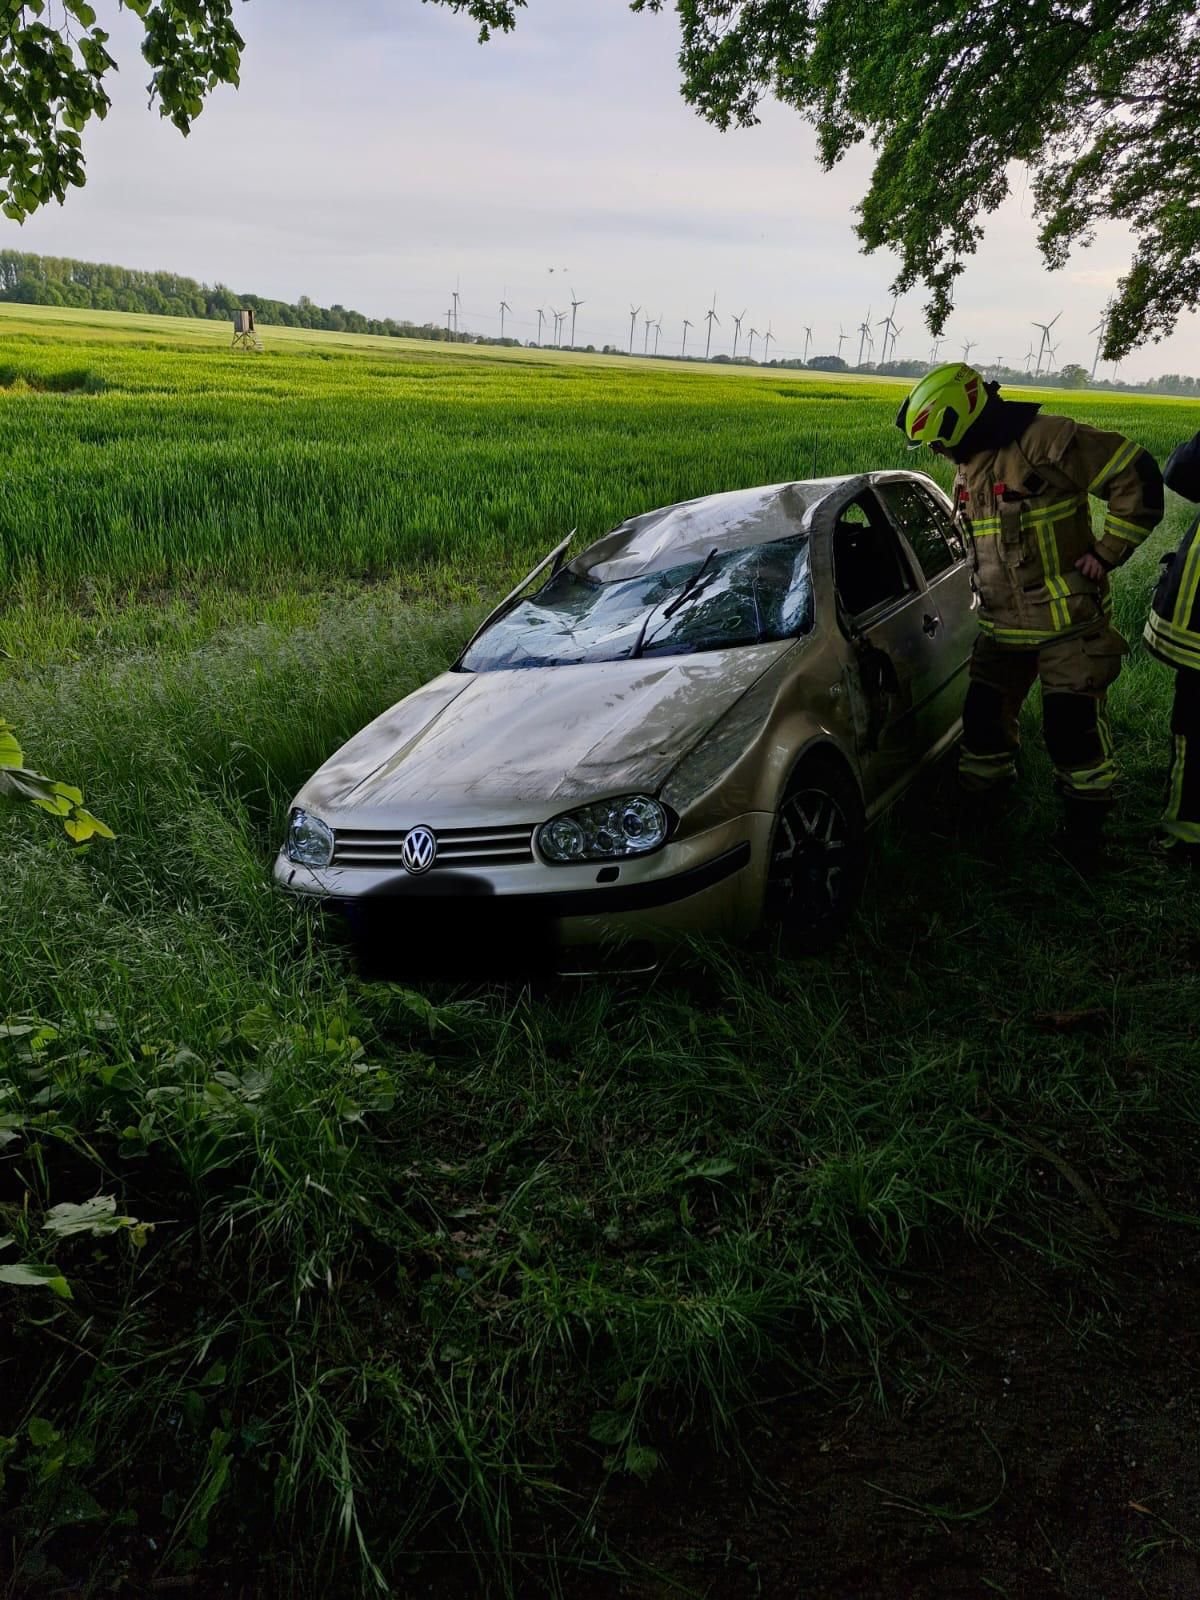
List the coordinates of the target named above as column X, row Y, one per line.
column 377, row 155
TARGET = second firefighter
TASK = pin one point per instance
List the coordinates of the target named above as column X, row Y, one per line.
column 1173, row 635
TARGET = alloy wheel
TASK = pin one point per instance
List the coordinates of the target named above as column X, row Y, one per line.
column 810, row 859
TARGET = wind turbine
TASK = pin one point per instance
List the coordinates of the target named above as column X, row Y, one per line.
column 1045, row 344
column 864, row 329
column 683, row 346
column 455, row 297
column 449, row 314
column 657, row 331
column 559, row 318
column 649, row 323
column 1029, row 357
column 633, row 316
column 1100, row 330
column 737, row 332
column 575, row 305
column 896, row 332
column 1052, row 353
column 889, row 327
column 968, row 346
column 753, row 331
column 767, row 337
column 710, row 316
column 933, row 349
column 842, row 337
column 807, row 342
column 504, row 306
column 541, row 319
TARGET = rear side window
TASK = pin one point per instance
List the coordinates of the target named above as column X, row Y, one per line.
column 924, row 524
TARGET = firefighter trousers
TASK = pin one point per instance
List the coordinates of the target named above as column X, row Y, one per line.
column 1076, row 674
column 1181, row 819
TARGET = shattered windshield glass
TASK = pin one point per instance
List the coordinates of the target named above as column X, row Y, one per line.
column 741, row 597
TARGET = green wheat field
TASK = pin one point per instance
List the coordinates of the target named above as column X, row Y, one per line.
column 398, row 1277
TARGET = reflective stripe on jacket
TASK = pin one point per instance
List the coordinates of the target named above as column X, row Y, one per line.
column 1173, row 630
column 1024, row 508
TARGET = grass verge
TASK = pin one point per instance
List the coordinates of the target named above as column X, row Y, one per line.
column 389, row 1271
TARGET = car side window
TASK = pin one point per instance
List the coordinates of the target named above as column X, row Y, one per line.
column 869, row 567
column 924, row 524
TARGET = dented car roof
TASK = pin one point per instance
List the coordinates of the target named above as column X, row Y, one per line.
column 732, row 521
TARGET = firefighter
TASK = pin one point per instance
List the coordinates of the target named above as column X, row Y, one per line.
column 1173, row 635
column 1040, row 578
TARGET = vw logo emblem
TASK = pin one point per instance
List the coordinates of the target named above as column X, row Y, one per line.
column 419, row 851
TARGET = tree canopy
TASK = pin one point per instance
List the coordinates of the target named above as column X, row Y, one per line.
column 54, row 66
column 1099, row 98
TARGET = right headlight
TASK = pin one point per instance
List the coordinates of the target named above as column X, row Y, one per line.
column 309, row 841
column 630, row 826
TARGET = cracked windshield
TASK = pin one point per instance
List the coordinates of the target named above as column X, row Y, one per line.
column 736, row 597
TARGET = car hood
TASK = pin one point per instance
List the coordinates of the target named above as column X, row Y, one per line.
column 512, row 742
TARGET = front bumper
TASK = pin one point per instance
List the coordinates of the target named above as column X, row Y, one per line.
column 707, row 883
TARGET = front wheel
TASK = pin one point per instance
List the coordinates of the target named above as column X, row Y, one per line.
column 818, row 856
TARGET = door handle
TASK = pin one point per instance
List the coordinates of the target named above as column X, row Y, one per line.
column 931, row 623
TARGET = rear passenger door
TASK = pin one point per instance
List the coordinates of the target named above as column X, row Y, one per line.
column 948, row 620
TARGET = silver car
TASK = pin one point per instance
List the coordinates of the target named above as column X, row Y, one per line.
column 684, row 728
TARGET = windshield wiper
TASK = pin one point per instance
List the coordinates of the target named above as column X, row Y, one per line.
column 680, row 599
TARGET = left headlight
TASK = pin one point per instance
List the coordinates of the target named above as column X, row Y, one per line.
column 631, row 826
column 309, row 841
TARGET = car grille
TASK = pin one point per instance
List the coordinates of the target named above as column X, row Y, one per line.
column 456, row 847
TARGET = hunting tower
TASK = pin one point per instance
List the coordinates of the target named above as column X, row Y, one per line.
column 245, row 336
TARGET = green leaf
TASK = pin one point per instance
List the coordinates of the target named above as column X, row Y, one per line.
column 718, row 1167
column 11, row 754
column 610, row 1427
column 97, row 1216
column 641, row 1460
column 73, row 1505
column 82, row 825
column 27, row 1276
column 259, row 1026
column 42, row 1433
column 56, row 805
column 81, row 11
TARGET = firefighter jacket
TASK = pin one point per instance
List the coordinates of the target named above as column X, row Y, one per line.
column 1024, row 508
column 1173, row 631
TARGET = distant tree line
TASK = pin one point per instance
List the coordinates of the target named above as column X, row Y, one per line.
column 1071, row 376
column 60, row 281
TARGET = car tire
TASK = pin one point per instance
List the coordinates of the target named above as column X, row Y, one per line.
column 817, row 859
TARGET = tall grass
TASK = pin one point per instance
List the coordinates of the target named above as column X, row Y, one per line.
column 426, row 1263
column 196, row 463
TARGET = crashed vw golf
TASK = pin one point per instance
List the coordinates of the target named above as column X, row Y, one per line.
column 684, row 728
